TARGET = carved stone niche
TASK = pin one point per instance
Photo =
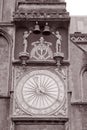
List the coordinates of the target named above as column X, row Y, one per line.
column 4, row 62
column 27, row 13
column 40, row 42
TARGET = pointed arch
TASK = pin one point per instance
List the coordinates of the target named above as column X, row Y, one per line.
column 4, row 33
column 5, row 61
column 83, row 76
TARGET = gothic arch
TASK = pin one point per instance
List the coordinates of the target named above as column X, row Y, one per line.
column 5, row 61
column 83, row 76
column 6, row 35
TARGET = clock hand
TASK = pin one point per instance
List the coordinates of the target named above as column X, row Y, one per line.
column 36, row 81
column 50, row 96
column 38, row 85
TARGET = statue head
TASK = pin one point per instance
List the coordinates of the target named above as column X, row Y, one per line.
column 57, row 32
column 25, row 32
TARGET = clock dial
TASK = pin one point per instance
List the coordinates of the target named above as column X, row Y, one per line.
column 40, row 92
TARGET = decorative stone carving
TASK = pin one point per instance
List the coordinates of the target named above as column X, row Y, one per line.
column 63, row 72
column 19, row 71
column 25, row 42
column 62, row 112
column 41, row 50
column 78, row 37
column 58, row 42
column 18, row 111
column 24, row 55
column 58, row 55
column 40, row 9
column 27, row 15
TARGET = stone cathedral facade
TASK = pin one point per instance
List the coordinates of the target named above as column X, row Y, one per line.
column 43, row 66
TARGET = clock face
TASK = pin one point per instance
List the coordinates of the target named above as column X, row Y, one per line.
column 40, row 92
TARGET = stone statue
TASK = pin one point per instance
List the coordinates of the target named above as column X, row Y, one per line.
column 58, row 42
column 25, row 42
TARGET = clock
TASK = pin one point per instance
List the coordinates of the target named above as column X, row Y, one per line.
column 40, row 92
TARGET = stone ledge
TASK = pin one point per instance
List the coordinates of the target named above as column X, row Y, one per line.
column 4, row 96
column 52, row 120
column 78, row 103
column 44, row 1
column 49, row 62
column 6, row 24
column 32, row 16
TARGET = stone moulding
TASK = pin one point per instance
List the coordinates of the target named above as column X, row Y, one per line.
column 49, row 62
column 40, row 9
column 40, row 120
column 78, row 37
column 5, row 34
column 44, row 1
column 23, row 15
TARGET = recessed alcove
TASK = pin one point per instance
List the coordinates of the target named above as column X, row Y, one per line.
column 4, row 65
column 36, row 37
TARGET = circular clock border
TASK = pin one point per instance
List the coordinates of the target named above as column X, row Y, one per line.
column 34, row 111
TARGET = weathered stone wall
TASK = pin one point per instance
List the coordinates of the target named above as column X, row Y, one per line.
column 39, row 127
column 6, row 10
column 77, row 57
column 4, row 114
column 78, row 24
column 5, row 78
column 78, row 61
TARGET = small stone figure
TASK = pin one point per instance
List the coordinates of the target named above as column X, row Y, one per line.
column 25, row 42
column 58, row 42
